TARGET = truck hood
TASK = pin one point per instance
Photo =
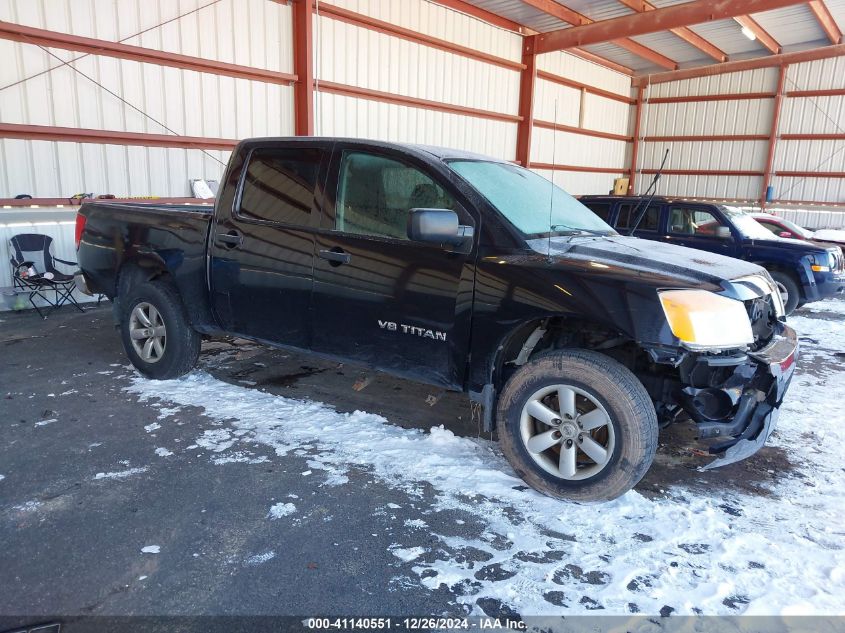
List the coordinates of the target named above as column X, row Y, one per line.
column 667, row 263
column 830, row 235
column 787, row 244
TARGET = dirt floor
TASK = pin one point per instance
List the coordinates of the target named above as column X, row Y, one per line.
column 86, row 484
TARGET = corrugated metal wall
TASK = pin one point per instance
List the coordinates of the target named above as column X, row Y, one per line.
column 812, row 115
column 365, row 58
column 56, row 87
column 564, row 105
column 53, row 87
column 708, row 118
column 753, row 116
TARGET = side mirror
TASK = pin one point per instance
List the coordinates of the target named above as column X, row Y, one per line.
column 723, row 233
column 437, row 226
column 784, row 234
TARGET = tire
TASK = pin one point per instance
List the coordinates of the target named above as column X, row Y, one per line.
column 157, row 304
column 786, row 283
column 601, row 386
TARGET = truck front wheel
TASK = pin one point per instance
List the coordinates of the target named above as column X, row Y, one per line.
column 156, row 333
column 577, row 425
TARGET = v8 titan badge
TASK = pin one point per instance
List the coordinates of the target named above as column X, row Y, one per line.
column 413, row 330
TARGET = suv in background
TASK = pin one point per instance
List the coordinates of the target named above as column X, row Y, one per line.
column 803, row 271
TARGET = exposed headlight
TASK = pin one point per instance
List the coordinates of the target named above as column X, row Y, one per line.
column 703, row 320
column 765, row 284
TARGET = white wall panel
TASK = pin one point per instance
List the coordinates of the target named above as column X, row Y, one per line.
column 59, row 170
column 731, row 187
column 580, row 183
column 799, row 115
column 556, row 104
column 606, row 115
column 822, row 74
column 369, row 59
column 813, row 115
column 155, row 98
column 758, row 80
column 809, row 189
column 747, row 116
column 814, row 156
column 813, row 218
column 580, row 70
column 566, row 148
column 730, row 155
column 438, row 21
column 360, row 118
column 246, row 32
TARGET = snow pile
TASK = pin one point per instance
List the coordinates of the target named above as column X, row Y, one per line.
column 258, row 559
column 687, row 551
column 280, row 510
column 122, row 474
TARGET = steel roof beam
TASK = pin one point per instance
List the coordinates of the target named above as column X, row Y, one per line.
column 685, row 33
column 565, row 14
column 662, row 19
column 760, row 33
column 826, row 20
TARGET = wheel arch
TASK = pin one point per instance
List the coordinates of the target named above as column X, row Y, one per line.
column 556, row 331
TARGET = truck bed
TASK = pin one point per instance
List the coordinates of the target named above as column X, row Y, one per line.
column 146, row 235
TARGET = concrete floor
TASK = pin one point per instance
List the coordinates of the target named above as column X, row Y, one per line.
column 71, row 541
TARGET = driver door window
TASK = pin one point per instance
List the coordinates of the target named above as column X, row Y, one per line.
column 694, row 222
column 375, row 195
column 774, row 228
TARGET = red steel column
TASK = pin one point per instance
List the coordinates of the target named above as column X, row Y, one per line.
column 527, row 80
column 770, row 158
column 303, row 67
column 635, row 147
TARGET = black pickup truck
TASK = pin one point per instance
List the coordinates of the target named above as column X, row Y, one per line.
column 461, row 271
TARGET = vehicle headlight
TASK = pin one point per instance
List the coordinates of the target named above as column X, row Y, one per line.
column 703, row 320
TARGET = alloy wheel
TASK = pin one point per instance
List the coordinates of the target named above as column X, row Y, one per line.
column 567, row 432
column 147, row 332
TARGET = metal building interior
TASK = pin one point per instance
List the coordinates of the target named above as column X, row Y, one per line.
column 131, row 99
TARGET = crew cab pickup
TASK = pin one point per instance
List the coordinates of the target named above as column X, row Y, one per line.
column 466, row 272
column 803, row 271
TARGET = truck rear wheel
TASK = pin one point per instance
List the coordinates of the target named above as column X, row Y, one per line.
column 577, row 425
column 156, row 333
column 788, row 288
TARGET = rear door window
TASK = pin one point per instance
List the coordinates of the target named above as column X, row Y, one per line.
column 628, row 215
column 279, row 185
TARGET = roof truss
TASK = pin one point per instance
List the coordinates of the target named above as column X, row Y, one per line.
column 662, row 19
column 685, row 33
column 576, row 19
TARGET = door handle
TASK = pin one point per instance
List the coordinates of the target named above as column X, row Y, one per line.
column 232, row 238
column 336, row 256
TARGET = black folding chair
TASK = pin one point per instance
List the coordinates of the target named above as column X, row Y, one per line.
column 34, row 271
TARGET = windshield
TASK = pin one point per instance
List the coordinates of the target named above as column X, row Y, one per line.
column 798, row 230
column 747, row 225
column 534, row 205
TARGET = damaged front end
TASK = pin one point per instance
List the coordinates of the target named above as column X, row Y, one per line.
column 734, row 400
column 732, row 394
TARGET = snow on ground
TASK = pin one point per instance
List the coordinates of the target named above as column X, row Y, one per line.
column 260, row 558
column 279, row 510
column 691, row 551
column 122, row 474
